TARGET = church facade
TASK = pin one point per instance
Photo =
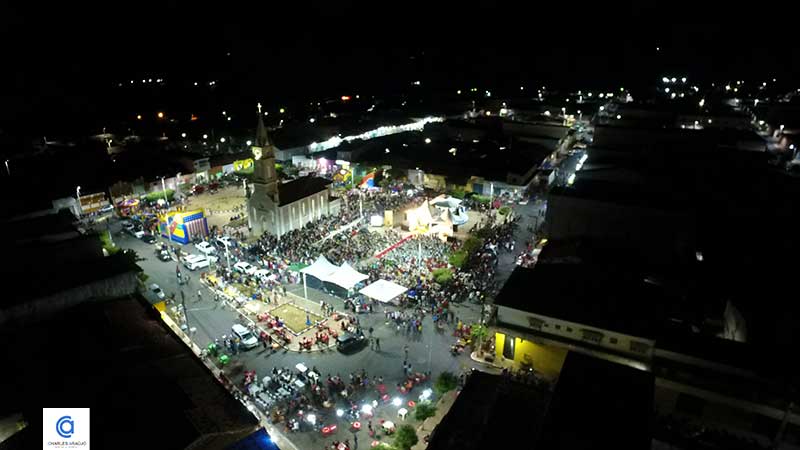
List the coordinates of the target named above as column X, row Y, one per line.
column 276, row 207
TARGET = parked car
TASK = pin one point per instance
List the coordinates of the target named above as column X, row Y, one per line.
column 163, row 255
column 350, row 342
column 107, row 209
column 220, row 242
column 246, row 338
column 245, row 267
column 127, row 225
column 205, row 248
column 149, row 238
column 157, row 291
column 194, row 262
column 139, row 233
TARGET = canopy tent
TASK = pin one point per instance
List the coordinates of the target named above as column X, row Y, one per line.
column 383, row 291
column 322, row 268
column 346, row 277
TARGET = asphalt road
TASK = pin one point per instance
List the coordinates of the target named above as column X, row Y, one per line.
column 428, row 351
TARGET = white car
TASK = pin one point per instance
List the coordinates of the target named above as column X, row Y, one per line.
column 157, row 291
column 245, row 267
column 205, row 248
column 139, row 234
column 246, row 338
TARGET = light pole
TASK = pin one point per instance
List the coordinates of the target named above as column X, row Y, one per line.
column 227, row 255
column 166, row 217
column 7, row 168
column 78, row 201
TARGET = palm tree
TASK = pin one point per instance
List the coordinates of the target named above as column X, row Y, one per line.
column 478, row 334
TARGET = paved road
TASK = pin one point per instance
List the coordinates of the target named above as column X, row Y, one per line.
column 428, row 351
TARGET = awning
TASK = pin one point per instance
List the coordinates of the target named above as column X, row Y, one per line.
column 322, row 268
column 383, row 291
column 346, row 277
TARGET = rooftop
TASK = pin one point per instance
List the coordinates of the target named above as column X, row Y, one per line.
column 301, row 188
column 593, row 295
column 491, row 412
column 598, row 405
column 119, row 356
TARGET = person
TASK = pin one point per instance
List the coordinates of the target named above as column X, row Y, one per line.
column 377, row 344
column 405, row 349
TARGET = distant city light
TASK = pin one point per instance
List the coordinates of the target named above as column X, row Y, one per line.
column 665, row 80
column 281, row 110
column 417, row 83
column 312, row 120
column 222, row 140
column 387, row 150
column 602, row 108
column 344, row 98
column 195, row 83
column 249, row 143
column 522, row 88
column 761, row 122
column 666, row 90
column 619, row 117
column 205, row 136
column 683, row 80
column 160, row 115
column 183, row 135
column 138, row 117
column 224, row 113
column 674, row 80
column 458, row 92
column 427, row 140
column 702, row 102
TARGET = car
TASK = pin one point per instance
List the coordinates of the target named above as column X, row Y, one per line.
column 245, row 267
column 157, row 291
column 350, row 342
column 194, row 262
column 246, row 337
column 107, row 209
column 139, row 233
column 221, row 242
column 127, row 225
column 149, row 238
column 205, row 247
column 163, row 255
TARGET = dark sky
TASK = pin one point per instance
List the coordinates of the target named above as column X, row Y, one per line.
column 65, row 60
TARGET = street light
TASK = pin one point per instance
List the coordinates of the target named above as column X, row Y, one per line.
column 166, row 218
column 78, row 198
column 7, row 169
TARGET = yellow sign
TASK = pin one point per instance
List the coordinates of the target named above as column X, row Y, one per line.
column 388, row 218
column 243, row 165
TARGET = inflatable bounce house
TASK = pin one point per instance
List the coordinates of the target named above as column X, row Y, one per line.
column 183, row 225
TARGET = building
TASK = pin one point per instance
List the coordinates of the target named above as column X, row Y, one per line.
column 56, row 267
column 593, row 405
column 119, row 359
column 278, row 208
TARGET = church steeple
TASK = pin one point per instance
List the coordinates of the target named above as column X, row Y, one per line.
column 265, row 179
column 262, row 137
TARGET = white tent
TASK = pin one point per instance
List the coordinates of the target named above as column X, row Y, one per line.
column 346, row 277
column 383, row 291
column 322, row 268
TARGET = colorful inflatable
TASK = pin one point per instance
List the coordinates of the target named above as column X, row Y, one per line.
column 183, row 225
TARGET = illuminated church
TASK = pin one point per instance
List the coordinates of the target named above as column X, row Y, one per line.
column 276, row 207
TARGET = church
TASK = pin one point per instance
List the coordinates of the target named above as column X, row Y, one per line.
column 276, row 207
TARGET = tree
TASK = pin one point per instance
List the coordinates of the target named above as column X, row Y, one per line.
column 478, row 333
column 446, row 382
column 405, row 438
column 424, row 410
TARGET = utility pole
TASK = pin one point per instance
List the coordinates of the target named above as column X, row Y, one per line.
column 185, row 311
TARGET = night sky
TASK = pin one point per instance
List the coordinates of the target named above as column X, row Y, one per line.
column 63, row 64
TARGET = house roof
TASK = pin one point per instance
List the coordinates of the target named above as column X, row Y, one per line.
column 491, row 412
column 598, row 404
column 592, row 295
column 301, row 188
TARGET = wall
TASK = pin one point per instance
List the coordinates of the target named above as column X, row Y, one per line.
column 546, row 359
column 609, row 339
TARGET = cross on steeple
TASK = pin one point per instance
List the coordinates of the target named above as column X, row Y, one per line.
column 259, row 107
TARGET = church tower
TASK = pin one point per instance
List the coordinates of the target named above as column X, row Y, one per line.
column 265, row 179
column 263, row 202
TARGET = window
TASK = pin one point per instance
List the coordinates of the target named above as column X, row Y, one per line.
column 569, row 329
column 592, row 336
column 639, row 347
column 535, row 323
column 612, row 340
column 558, row 327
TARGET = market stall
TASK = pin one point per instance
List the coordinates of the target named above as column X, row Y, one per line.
column 383, row 291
